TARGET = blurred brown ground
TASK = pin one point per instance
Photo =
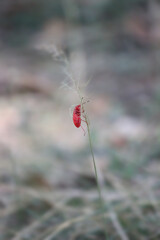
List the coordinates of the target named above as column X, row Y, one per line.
column 37, row 133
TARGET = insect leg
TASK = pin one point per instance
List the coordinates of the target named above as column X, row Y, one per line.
column 83, row 120
column 83, row 130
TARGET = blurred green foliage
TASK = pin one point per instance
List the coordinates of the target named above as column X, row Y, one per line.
column 115, row 9
column 20, row 19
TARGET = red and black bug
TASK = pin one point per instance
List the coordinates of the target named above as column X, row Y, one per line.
column 77, row 116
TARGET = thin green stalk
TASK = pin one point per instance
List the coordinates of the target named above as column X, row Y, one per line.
column 95, row 167
column 96, row 174
column 91, row 149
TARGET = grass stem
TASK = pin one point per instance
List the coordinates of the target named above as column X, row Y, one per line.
column 96, row 174
column 95, row 167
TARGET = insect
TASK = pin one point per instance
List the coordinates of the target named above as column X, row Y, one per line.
column 77, row 116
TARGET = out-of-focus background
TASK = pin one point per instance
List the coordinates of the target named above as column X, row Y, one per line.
column 47, row 182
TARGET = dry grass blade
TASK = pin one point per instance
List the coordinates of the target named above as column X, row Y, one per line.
column 69, row 223
column 35, row 224
column 121, row 189
column 118, row 226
